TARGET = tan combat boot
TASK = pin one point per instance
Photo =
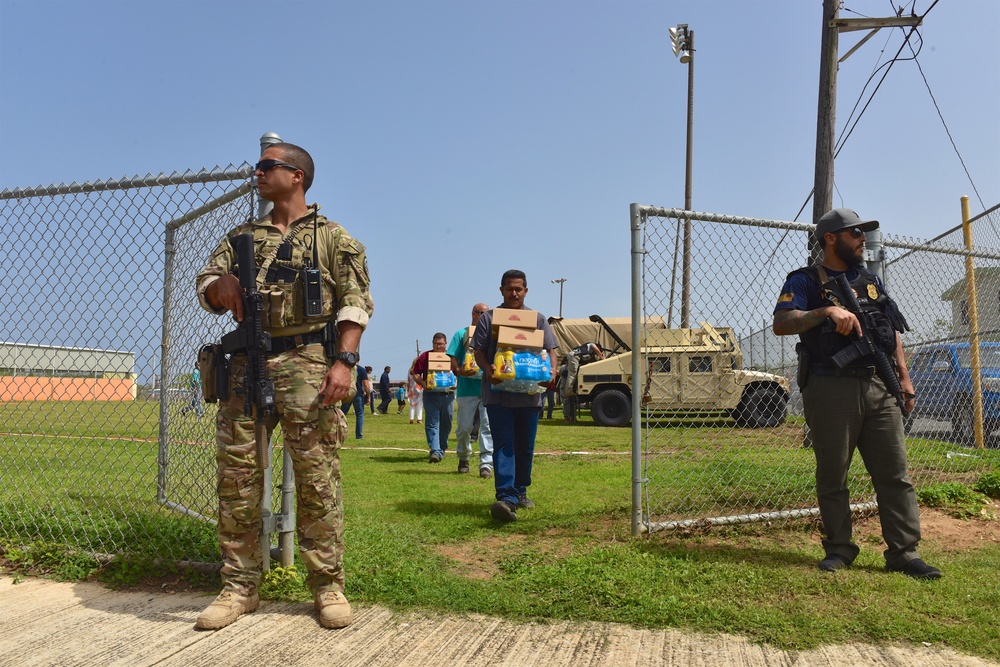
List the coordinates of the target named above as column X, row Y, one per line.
column 334, row 609
column 226, row 608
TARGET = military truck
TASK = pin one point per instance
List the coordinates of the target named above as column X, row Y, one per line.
column 697, row 370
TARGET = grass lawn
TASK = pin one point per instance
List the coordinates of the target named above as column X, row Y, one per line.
column 419, row 538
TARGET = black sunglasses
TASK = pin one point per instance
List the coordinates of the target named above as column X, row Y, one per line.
column 854, row 231
column 265, row 166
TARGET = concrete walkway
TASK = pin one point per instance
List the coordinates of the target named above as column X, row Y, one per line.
column 50, row 623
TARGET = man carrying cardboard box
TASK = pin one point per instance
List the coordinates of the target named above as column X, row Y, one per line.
column 469, row 397
column 439, row 401
column 513, row 416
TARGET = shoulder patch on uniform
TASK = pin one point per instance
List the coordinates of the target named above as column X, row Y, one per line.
column 787, row 297
column 351, row 245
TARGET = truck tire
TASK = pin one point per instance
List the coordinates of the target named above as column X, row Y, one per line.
column 962, row 416
column 762, row 407
column 611, row 408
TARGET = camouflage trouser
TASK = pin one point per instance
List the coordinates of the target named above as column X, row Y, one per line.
column 313, row 436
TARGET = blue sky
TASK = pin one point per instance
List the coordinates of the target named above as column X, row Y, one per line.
column 459, row 139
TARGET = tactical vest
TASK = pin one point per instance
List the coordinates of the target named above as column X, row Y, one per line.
column 823, row 342
column 279, row 274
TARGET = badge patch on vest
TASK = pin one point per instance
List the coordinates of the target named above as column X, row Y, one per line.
column 872, row 291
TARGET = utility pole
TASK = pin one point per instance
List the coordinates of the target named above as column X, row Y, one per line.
column 826, row 121
column 826, row 115
column 682, row 44
column 560, row 281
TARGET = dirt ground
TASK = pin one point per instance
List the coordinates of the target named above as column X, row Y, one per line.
column 943, row 531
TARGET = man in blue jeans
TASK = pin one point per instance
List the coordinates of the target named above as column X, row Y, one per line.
column 469, row 399
column 439, row 405
column 513, row 417
column 363, row 389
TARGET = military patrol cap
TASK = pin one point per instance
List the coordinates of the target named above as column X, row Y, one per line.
column 842, row 218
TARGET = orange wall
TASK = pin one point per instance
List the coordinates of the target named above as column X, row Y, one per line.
column 13, row 388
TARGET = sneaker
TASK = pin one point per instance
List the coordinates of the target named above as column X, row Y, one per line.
column 411, row 421
column 226, row 608
column 420, row 421
column 524, row 502
column 436, row 457
column 485, row 472
column 503, row 512
column 334, row 609
column 915, row 568
column 833, row 562
column 463, row 466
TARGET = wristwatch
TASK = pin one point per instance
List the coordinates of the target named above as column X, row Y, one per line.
column 349, row 358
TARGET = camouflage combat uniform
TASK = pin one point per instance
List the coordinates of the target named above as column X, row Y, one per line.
column 312, row 434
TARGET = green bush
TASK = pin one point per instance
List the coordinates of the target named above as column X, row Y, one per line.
column 954, row 497
column 55, row 560
column 989, row 484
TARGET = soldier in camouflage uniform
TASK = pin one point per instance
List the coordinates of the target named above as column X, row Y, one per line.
column 309, row 387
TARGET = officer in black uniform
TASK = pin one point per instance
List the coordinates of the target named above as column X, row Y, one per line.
column 849, row 408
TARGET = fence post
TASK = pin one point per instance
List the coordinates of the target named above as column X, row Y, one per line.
column 875, row 254
column 286, row 537
column 970, row 281
column 164, row 415
column 636, row 219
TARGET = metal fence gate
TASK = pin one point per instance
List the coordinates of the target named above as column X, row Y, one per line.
column 695, row 467
column 96, row 453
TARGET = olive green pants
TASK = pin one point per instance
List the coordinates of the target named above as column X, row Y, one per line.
column 844, row 414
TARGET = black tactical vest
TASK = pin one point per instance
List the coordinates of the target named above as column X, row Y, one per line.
column 823, row 341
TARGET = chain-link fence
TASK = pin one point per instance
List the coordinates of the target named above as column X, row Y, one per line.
column 102, row 447
column 719, row 436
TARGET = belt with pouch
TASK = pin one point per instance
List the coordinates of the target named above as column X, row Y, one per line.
column 864, row 372
column 286, row 343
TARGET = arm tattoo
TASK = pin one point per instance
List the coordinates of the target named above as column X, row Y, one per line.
column 788, row 322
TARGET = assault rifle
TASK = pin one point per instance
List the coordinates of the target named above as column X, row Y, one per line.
column 868, row 343
column 250, row 338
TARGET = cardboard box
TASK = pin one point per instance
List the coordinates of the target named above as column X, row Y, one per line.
column 521, row 339
column 438, row 356
column 438, row 365
column 514, row 317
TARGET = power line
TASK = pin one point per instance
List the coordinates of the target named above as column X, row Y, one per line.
column 947, row 131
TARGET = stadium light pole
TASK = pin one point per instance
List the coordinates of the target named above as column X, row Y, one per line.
column 682, row 44
column 560, row 281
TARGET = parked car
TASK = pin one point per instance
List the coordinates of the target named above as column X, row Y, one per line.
column 942, row 380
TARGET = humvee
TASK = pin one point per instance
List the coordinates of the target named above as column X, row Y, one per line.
column 685, row 370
